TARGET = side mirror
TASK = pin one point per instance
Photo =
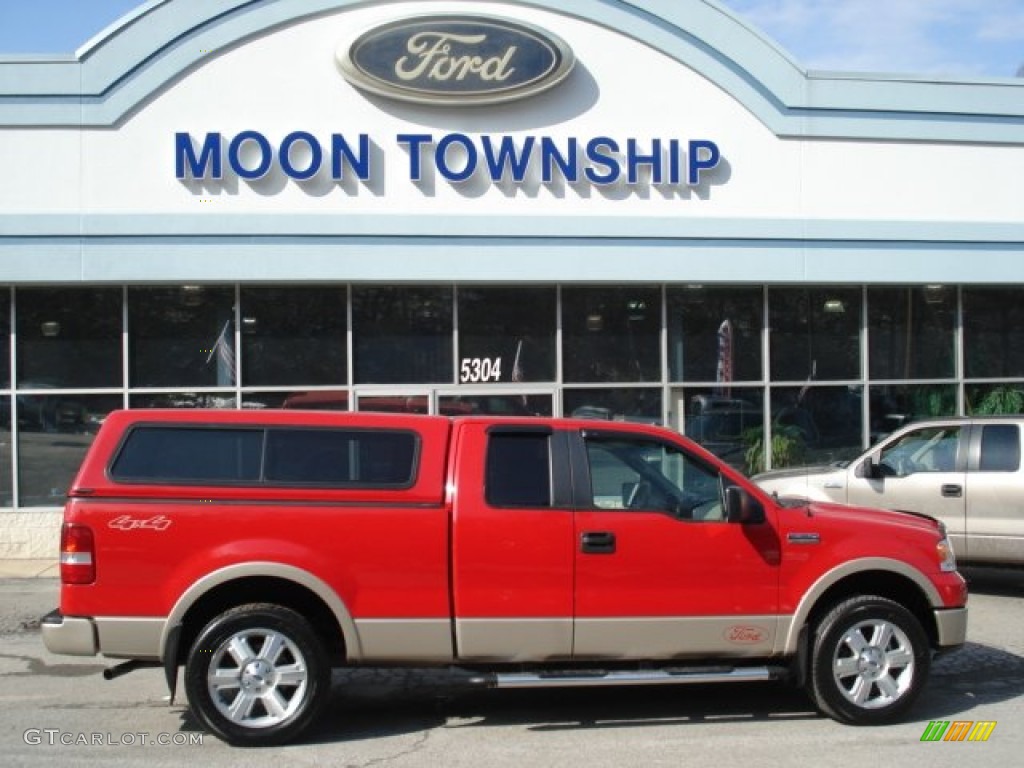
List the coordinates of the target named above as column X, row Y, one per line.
column 741, row 507
column 870, row 469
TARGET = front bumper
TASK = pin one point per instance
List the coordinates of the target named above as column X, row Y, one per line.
column 951, row 626
column 69, row 636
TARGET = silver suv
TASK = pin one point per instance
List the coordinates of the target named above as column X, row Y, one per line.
column 964, row 471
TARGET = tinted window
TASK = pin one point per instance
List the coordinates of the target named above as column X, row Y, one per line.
column 189, row 454
column 518, row 470
column 340, row 457
column 1000, row 448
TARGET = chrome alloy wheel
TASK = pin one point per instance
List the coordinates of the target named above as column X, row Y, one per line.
column 873, row 665
column 257, row 678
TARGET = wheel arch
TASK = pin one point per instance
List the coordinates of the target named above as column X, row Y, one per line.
column 261, row 582
column 880, row 577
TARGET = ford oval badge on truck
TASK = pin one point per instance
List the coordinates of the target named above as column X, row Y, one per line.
column 455, row 60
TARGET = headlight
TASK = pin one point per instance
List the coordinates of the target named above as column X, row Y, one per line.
column 947, row 560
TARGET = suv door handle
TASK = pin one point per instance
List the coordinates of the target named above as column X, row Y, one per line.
column 952, row 491
column 597, row 543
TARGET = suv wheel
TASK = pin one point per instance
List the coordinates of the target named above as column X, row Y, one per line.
column 869, row 662
column 257, row 675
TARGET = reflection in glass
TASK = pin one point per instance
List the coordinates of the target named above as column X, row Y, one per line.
column 993, row 332
column 512, row 329
column 619, row 404
column 911, row 332
column 727, row 426
column 69, row 337
column 892, row 406
column 994, row 398
column 815, row 424
column 5, row 339
column 54, row 433
column 395, row 403
column 6, row 481
column 312, row 400
column 715, row 333
column 182, row 336
column 495, row 405
column 403, row 334
column 815, row 333
column 182, row 400
column 294, row 335
column 611, row 334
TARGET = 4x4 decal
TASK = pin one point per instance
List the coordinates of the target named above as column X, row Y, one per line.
column 129, row 523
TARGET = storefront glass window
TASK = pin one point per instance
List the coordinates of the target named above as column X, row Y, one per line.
column 5, row 338
column 495, row 405
column 54, row 432
column 619, row 404
column 6, row 484
column 69, row 337
column 506, row 334
column 812, row 425
column 402, row 334
column 892, row 406
column 611, row 334
column 815, row 333
column 911, row 332
column 714, row 333
column 293, row 335
column 994, row 398
column 312, row 400
column 182, row 400
column 182, row 336
column 729, row 423
column 993, row 332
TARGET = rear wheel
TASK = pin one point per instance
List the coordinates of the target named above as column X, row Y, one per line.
column 257, row 675
column 869, row 661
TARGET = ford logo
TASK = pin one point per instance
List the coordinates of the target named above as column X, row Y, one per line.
column 454, row 60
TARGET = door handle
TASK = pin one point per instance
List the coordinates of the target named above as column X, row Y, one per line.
column 597, row 543
column 952, row 491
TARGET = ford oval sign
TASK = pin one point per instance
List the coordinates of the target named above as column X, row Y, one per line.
column 454, row 60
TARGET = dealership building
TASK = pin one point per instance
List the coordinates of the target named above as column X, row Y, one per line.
column 618, row 209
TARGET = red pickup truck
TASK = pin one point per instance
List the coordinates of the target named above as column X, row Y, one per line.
column 262, row 548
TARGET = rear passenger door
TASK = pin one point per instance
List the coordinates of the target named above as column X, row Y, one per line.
column 512, row 542
column 995, row 494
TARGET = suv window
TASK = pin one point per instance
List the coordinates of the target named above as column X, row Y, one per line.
column 272, row 456
column 627, row 473
column 1000, row 448
column 189, row 454
column 518, row 470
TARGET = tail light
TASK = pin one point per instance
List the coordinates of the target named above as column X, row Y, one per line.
column 77, row 554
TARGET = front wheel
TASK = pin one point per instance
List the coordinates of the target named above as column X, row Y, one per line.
column 869, row 661
column 257, row 675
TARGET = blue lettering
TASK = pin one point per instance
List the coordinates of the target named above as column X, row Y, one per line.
column 703, row 156
column 568, row 164
column 600, row 152
column 316, row 155
column 415, row 141
column 197, row 167
column 634, row 160
column 674, row 161
column 507, row 158
column 456, row 139
column 266, row 157
column 360, row 163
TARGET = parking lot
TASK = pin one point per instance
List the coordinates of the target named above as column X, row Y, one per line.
column 60, row 708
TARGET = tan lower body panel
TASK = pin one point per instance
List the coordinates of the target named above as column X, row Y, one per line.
column 675, row 637
column 426, row 641
column 130, row 638
column 514, row 640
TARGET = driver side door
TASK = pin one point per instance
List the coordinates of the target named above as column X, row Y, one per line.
column 659, row 571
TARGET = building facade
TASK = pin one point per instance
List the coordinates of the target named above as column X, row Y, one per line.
column 623, row 210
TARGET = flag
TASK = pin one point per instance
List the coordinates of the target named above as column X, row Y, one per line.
column 223, row 350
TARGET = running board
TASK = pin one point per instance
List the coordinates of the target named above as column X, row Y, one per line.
column 671, row 676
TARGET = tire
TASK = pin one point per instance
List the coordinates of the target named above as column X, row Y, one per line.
column 869, row 661
column 257, row 675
